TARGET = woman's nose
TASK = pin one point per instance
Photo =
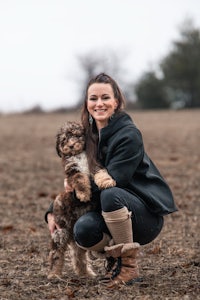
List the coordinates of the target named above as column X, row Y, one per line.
column 99, row 102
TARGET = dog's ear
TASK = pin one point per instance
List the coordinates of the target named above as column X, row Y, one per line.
column 57, row 145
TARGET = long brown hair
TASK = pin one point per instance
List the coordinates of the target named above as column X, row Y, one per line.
column 91, row 129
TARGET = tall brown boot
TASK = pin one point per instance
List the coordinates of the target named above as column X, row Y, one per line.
column 123, row 254
column 126, row 271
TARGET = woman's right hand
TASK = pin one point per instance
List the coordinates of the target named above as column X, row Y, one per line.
column 51, row 223
column 67, row 187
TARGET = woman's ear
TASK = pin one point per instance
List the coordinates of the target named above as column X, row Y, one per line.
column 116, row 104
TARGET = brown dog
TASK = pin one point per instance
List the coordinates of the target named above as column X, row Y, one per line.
column 70, row 145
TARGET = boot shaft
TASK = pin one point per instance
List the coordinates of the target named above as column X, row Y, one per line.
column 119, row 224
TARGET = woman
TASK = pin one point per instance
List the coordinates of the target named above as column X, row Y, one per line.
column 132, row 212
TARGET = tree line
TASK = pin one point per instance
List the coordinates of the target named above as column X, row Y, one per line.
column 175, row 84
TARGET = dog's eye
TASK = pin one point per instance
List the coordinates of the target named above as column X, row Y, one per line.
column 69, row 136
column 74, row 138
column 79, row 136
column 64, row 140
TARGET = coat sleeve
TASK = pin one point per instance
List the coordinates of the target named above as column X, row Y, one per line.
column 50, row 210
column 126, row 153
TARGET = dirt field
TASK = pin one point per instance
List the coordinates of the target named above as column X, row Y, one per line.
column 31, row 174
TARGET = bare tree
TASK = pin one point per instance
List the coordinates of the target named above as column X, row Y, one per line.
column 95, row 62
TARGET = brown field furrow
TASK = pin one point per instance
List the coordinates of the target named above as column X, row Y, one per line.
column 31, row 175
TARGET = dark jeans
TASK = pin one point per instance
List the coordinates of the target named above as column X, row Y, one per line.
column 89, row 228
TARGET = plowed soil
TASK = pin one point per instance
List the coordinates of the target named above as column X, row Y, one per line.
column 31, row 175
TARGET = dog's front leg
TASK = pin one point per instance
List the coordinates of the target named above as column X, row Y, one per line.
column 81, row 184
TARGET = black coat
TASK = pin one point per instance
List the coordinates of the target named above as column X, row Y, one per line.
column 121, row 152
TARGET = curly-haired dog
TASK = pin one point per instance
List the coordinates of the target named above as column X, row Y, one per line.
column 70, row 145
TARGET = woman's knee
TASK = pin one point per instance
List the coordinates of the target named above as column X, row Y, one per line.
column 89, row 228
column 110, row 199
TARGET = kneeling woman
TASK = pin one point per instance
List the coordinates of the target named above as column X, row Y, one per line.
column 131, row 214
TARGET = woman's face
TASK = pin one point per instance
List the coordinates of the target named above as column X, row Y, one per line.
column 101, row 103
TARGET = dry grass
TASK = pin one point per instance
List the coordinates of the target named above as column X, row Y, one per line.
column 31, row 174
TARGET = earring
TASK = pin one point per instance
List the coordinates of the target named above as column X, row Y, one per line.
column 112, row 116
column 90, row 119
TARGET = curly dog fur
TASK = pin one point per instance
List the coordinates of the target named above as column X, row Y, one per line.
column 70, row 146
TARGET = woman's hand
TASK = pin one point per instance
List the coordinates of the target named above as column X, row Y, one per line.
column 67, row 187
column 51, row 223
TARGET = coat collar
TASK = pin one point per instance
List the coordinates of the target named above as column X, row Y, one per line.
column 117, row 121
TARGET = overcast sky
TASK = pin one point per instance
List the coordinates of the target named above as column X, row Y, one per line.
column 41, row 39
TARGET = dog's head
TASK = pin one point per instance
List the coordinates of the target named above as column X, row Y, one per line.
column 70, row 139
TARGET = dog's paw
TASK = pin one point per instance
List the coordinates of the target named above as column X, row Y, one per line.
column 82, row 196
column 85, row 271
column 103, row 180
column 90, row 272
